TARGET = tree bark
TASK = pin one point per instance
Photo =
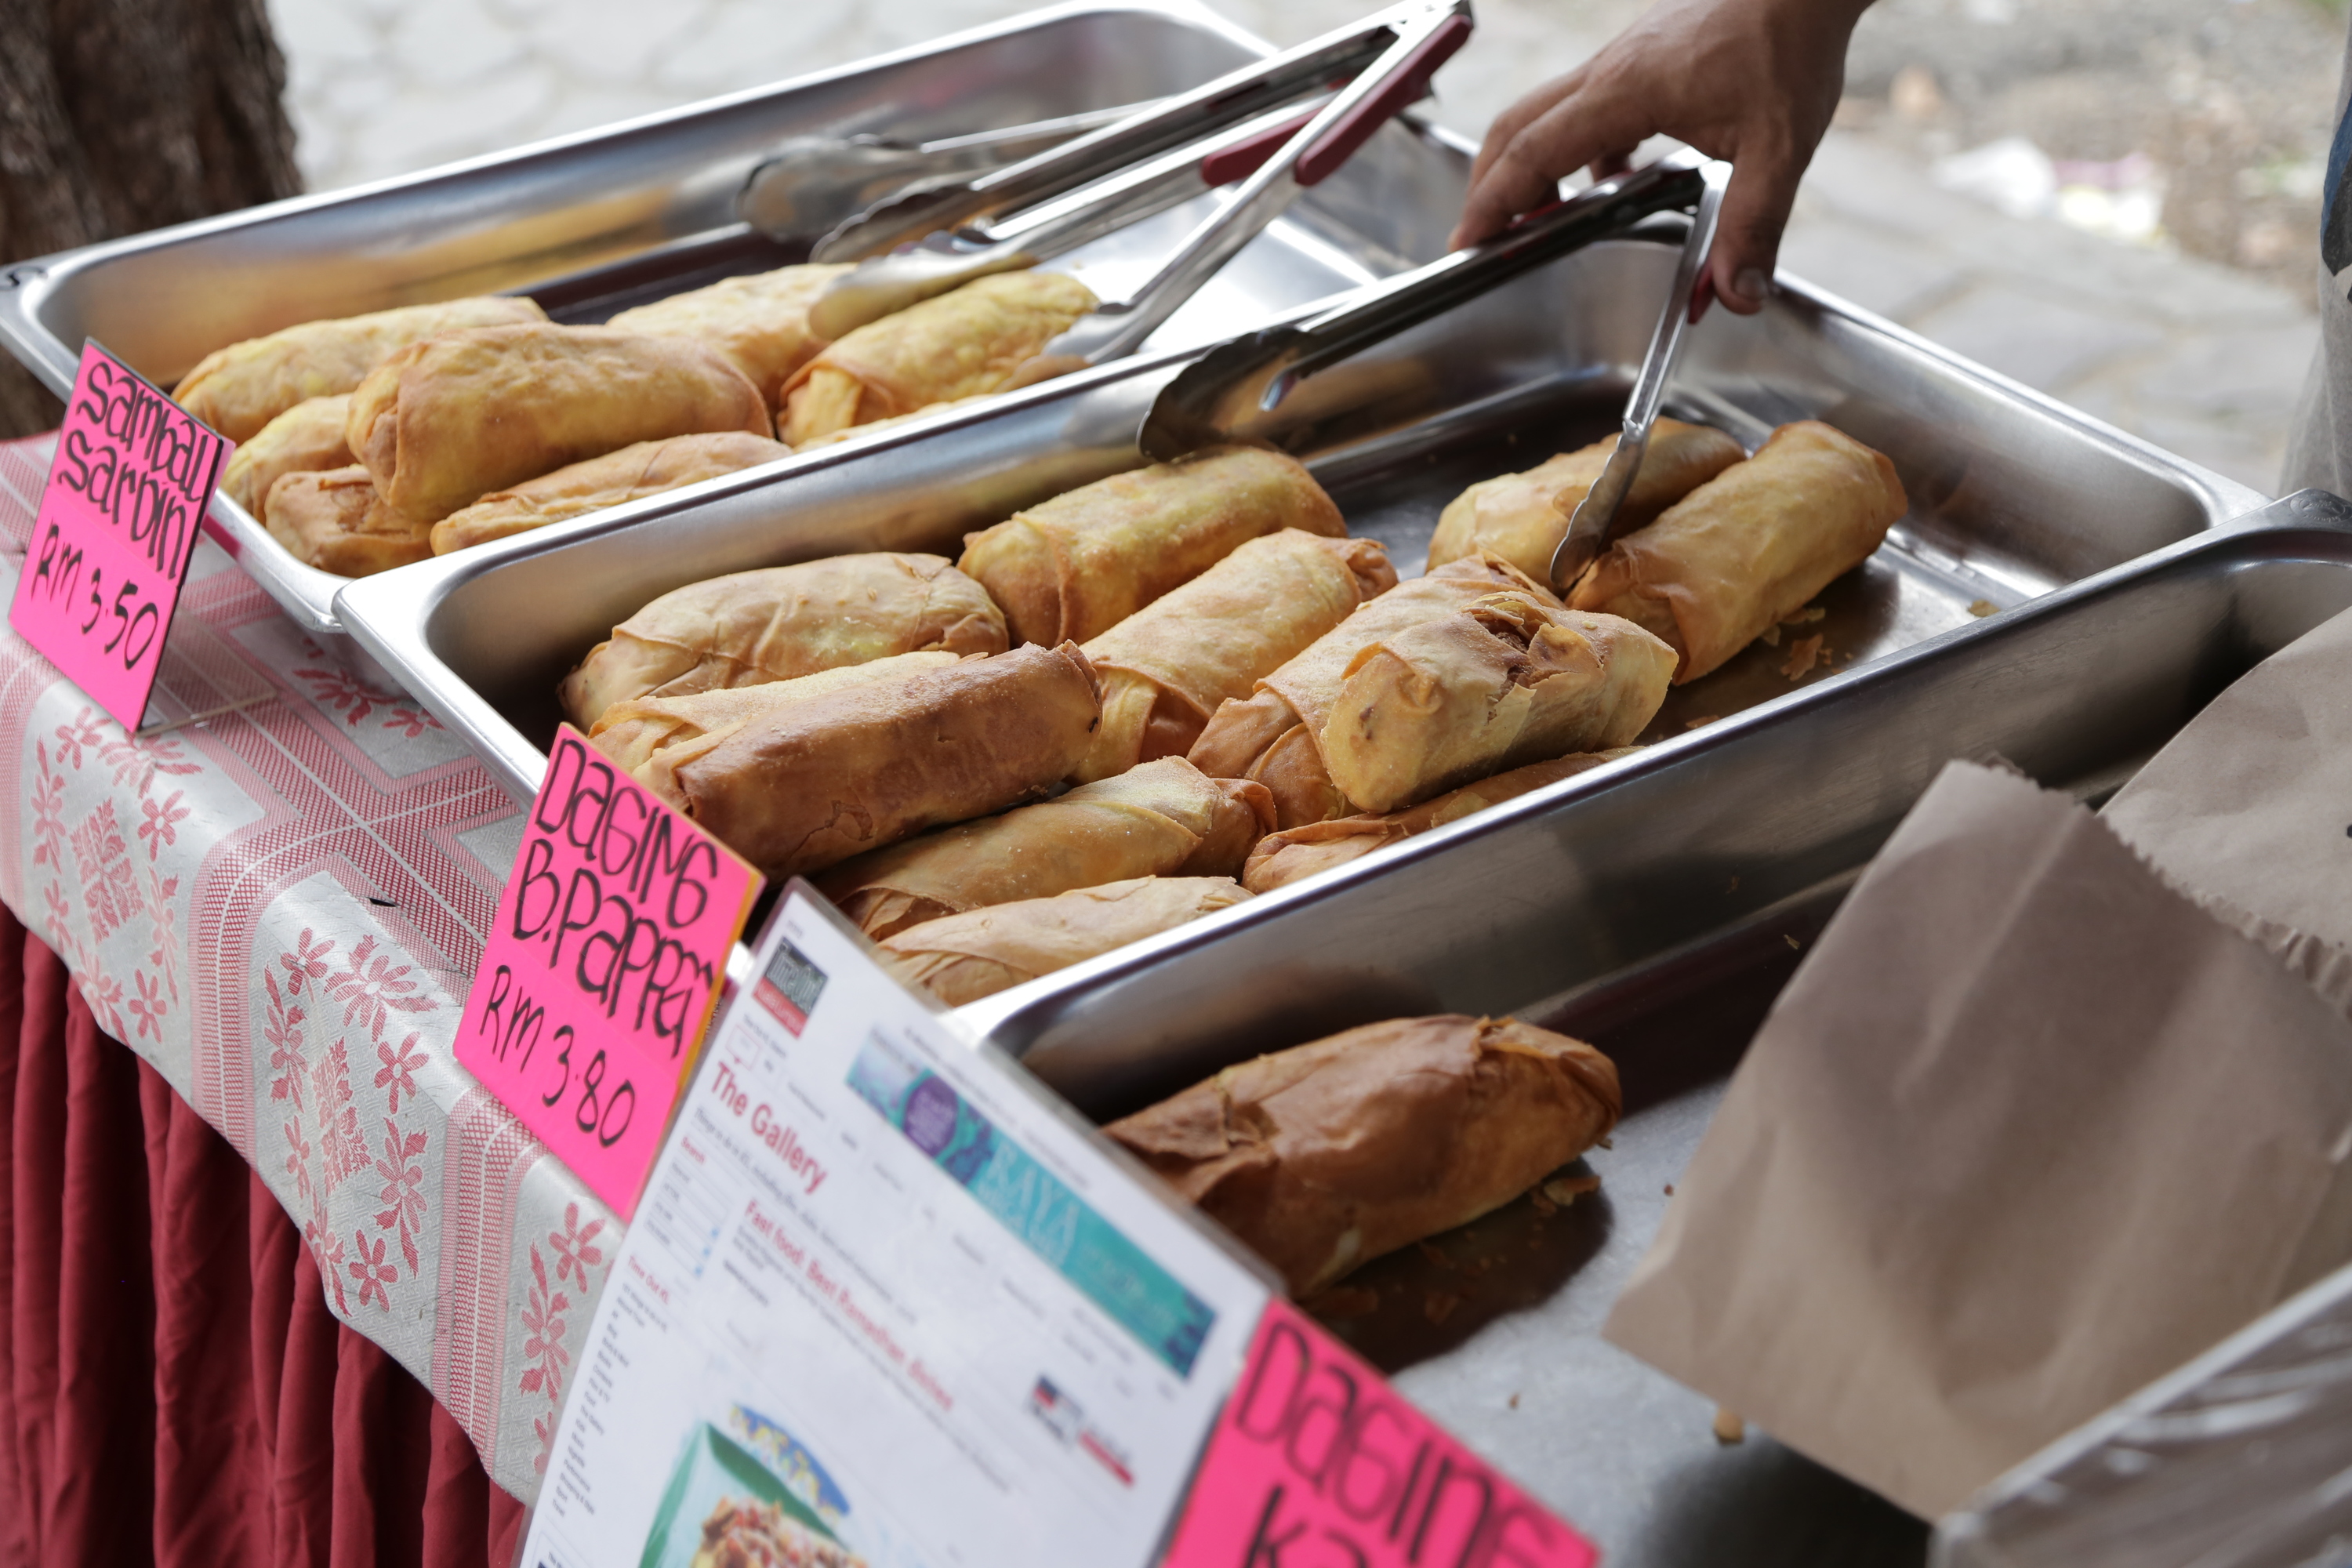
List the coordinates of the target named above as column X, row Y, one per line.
column 122, row 115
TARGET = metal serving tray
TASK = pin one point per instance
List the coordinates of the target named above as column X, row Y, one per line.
column 2013, row 495
column 593, row 224
column 1654, row 907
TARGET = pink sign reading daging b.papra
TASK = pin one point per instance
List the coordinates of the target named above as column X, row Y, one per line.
column 1318, row 1463
column 602, row 967
column 126, row 494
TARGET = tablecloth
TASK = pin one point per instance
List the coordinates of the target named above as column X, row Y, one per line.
column 279, row 904
column 173, row 1390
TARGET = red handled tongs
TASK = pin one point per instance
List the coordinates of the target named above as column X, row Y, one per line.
column 1247, row 127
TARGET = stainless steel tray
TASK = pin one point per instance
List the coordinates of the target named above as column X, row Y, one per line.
column 1654, row 907
column 591, row 224
column 2013, row 495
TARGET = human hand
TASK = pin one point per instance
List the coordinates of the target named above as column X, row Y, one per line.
column 1752, row 83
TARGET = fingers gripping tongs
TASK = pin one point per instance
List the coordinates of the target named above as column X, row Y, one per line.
column 1143, row 165
column 1587, row 526
column 1237, row 390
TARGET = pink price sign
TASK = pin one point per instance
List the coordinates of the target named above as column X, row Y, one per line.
column 608, row 953
column 1318, row 1463
column 125, row 496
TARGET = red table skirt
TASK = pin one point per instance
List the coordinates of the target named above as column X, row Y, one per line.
column 173, row 1388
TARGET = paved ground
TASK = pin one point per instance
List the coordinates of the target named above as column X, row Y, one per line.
column 2198, row 356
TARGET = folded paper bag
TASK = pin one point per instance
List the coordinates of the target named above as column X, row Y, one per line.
column 2026, row 1130
column 2249, row 808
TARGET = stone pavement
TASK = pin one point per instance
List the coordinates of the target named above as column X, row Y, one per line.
column 2200, row 360
column 2192, row 356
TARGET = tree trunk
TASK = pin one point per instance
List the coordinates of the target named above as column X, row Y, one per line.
column 122, row 115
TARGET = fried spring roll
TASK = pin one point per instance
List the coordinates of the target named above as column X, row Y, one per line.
column 962, row 344
column 1499, row 684
column 443, row 423
column 241, row 388
column 1327, row 1155
column 1166, row 667
column 308, row 439
column 781, row 622
column 1275, row 735
column 1749, row 546
column 1295, row 854
column 647, row 469
column 1523, row 517
column 760, row 323
column 632, row 732
column 807, row 784
column 1163, row 819
column 1077, row 565
column 962, row 958
column 336, row 522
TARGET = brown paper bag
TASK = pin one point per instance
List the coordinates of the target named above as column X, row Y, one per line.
column 2025, row 1131
column 2250, row 807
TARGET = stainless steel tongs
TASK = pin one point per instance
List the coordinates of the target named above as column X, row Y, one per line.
column 808, row 185
column 1143, row 165
column 1235, row 390
column 1587, row 526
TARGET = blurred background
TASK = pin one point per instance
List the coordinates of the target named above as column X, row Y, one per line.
column 2115, row 201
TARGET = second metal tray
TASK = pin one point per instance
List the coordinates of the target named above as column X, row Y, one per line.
column 595, row 222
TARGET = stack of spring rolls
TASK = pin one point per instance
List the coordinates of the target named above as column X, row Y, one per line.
column 1154, row 698
column 367, row 442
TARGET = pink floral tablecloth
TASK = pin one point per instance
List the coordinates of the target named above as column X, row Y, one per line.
column 279, row 904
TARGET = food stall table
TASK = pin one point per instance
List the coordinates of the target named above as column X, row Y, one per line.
column 274, row 896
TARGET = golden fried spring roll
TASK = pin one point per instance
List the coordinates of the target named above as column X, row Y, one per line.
column 1163, row 819
column 241, row 388
column 962, row 344
column 306, row 438
column 1329, row 1154
column 1295, row 854
column 807, row 784
column 1275, row 734
column 1523, row 517
column 760, row 323
column 1077, row 565
column 647, row 469
column 443, row 423
column 962, row 958
column 781, row 622
column 1166, row 667
column 336, row 522
column 1750, row 546
column 1499, row 684
column 630, row 732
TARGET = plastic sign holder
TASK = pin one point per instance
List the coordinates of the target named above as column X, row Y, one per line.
column 602, row 967
column 888, row 1302
column 116, row 529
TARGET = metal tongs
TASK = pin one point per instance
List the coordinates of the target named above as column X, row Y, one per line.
column 1587, row 526
column 1235, row 390
column 1145, row 164
column 808, row 185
